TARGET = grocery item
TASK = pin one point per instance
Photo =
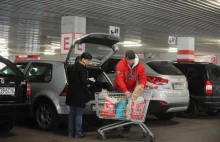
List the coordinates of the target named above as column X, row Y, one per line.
column 139, row 89
column 136, row 109
column 108, row 109
column 121, row 109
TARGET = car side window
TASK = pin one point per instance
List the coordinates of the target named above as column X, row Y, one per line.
column 192, row 73
column 40, row 72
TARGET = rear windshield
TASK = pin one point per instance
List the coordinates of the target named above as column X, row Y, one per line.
column 164, row 68
column 9, row 69
column 214, row 71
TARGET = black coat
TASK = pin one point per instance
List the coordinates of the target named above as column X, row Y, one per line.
column 78, row 80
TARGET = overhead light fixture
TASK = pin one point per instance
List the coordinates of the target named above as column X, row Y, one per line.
column 172, row 49
column 49, row 53
column 132, row 44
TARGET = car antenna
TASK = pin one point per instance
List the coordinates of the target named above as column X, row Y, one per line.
column 151, row 55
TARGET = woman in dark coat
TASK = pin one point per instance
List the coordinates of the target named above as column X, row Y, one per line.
column 76, row 94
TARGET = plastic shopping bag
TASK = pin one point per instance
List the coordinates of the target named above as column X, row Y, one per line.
column 121, row 109
column 108, row 109
column 136, row 109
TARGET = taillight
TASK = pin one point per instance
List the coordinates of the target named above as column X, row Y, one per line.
column 157, row 80
column 64, row 92
column 208, row 87
column 163, row 102
column 28, row 93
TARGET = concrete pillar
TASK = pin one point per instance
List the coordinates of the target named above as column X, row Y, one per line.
column 72, row 27
column 185, row 49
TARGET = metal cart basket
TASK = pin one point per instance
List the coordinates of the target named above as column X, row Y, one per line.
column 118, row 106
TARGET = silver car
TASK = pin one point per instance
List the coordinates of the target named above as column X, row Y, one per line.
column 49, row 84
column 170, row 87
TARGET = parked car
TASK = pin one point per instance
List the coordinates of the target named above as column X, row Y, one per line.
column 170, row 95
column 204, row 86
column 14, row 95
column 49, row 84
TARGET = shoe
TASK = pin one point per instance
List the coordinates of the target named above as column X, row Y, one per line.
column 71, row 136
column 83, row 136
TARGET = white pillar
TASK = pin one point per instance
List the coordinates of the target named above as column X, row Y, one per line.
column 72, row 27
column 185, row 49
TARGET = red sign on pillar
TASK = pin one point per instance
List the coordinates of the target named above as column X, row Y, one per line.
column 67, row 40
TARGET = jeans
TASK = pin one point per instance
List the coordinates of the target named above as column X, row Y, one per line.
column 75, row 121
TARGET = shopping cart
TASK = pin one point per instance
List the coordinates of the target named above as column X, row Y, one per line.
column 118, row 106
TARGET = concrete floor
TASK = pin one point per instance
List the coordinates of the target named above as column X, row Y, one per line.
column 201, row 129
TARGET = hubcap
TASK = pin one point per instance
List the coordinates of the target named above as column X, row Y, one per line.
column 44, row 115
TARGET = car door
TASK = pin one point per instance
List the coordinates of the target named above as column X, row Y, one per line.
column 39, row 76
column 101, row 45
column 13, row 85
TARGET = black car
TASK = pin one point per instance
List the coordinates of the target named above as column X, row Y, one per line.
column 203, row 85
column 14, row 95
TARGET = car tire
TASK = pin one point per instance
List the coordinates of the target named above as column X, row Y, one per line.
column 191, row 112
column 46, row 116
column 5, row 127
column 165, row 116
column 212, row 113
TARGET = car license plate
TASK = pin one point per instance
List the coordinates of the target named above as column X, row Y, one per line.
column 7, row 91
column 178, row 86
column 93, row 106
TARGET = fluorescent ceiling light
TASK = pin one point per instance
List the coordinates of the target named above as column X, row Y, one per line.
column 49, row 53
column 172, row 49
column 132, row 45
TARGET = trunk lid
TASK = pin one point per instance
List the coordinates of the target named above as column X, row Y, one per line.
column 101, row 46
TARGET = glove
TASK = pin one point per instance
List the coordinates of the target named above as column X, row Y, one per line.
column 92, row 79
column 137, row 91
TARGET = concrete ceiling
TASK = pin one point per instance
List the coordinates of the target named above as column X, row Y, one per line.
column 29, row 26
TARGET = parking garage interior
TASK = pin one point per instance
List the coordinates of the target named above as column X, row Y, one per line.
column 177, row 41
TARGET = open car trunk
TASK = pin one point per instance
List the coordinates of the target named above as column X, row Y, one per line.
column 100, row 77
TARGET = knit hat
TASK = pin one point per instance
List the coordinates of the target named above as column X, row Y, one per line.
column 130, row 55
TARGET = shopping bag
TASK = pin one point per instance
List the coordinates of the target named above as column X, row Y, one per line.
column 121, row 109
column 136, row 109
column 108, row 109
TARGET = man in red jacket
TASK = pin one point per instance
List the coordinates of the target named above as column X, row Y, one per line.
column 129, row 73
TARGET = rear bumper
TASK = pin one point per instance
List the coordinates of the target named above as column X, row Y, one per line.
column 156, row 107
column 207, row 102
column 14, row 112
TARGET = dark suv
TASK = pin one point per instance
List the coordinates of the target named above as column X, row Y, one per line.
column 14, row 95
column 203, row 85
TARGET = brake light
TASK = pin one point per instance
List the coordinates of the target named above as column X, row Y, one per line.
column 208, row 87
column 28, row 93
column 64, row 92
column 157, row 80
column 163, row 102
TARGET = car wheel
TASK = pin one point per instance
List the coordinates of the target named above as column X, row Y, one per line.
column 213, row 113
column 191, row 112
column 165, row 116
column 6, row 127
column 46, row 116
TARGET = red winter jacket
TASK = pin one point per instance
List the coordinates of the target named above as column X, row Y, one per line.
column 126, row 77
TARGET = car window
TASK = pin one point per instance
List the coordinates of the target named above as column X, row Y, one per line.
column 214, row 71
column 40, row 72
column 109, row 66
column 21, row 66
column 192, row 73
column 164, row 68
column 8, row 69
